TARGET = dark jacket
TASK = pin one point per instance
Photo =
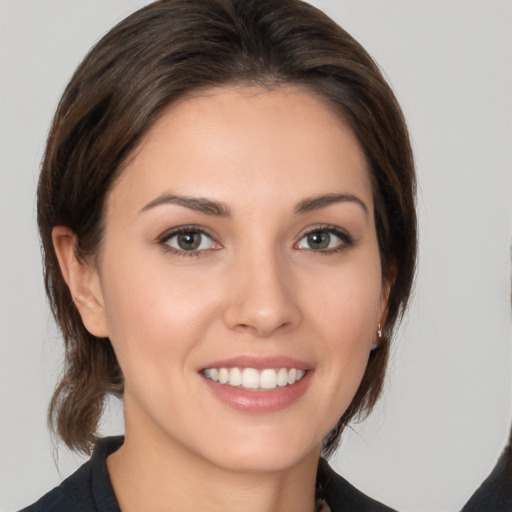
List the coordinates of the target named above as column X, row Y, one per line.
column 495, row 494
column 89, row 488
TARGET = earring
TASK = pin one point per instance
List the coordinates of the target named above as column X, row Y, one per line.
column 379, row 338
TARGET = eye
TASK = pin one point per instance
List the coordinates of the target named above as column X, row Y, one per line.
column 188, row 240
column 325, row 239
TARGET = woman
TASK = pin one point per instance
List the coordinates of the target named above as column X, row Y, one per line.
column 226, row 207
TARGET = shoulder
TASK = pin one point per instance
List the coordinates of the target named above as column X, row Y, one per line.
column 68, row 496
column 340, row 495
column 88, row 489
column 495, row 493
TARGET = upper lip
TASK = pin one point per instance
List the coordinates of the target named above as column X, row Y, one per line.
column 259, row 363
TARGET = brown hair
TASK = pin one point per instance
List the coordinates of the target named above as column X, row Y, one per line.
column 161, row 52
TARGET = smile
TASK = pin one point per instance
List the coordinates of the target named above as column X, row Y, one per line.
column 256, row 380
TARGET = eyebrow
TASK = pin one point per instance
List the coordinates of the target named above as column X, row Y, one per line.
column 315, row 203
column 218, row 209
column 198, row 204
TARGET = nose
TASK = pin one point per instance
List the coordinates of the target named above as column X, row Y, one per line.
column 262, row 300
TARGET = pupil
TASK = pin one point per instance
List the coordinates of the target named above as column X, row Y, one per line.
column 319, row 240
column 189, row 241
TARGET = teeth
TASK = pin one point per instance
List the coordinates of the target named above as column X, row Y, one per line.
column 268, row 379
column 250, row 378
column 223, row 375
column 282, row 377
column 235, row 377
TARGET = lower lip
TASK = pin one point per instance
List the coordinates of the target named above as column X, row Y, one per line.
column 259, row 401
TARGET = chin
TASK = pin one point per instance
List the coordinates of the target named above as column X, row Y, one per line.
column 263, row 452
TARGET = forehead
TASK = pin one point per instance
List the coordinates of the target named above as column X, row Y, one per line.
column 245, row 144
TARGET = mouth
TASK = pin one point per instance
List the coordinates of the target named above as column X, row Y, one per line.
column 266, row 379
column 258, row 384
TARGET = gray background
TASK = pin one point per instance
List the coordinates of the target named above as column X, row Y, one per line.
column 446, row 411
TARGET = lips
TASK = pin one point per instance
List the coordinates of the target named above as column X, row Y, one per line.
column 258, row 384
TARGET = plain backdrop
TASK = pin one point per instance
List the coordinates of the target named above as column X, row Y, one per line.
column 446, row 411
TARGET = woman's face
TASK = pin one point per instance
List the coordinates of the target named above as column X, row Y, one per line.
column 240, row 244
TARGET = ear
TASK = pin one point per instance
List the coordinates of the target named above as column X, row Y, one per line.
column 386, row 289
column 83, row 282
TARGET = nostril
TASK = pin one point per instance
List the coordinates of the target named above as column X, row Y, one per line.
column 262, row 330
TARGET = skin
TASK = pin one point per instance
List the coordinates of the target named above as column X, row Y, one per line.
column 256, row 287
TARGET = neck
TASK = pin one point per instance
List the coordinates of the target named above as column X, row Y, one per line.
column 149, row 472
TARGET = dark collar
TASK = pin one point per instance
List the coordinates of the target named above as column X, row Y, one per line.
column 342, row 496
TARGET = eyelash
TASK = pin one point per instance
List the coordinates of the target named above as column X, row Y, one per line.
column 346, row 240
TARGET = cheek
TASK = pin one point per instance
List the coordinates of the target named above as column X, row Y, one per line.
column 345, row 318
column 154, row 316
column 349, row 303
